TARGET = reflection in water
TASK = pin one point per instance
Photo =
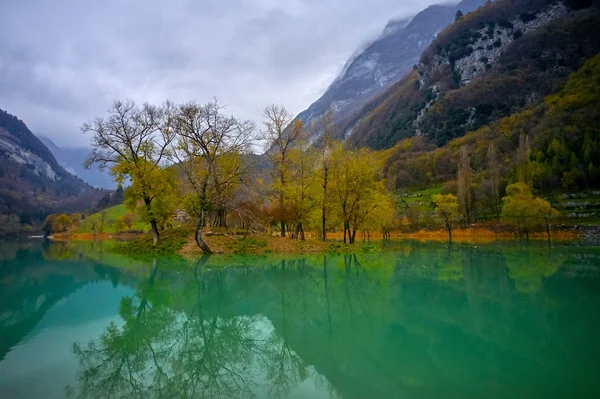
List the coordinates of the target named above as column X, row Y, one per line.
column 424, row 321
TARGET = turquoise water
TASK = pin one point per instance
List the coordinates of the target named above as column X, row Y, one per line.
column 421, row 321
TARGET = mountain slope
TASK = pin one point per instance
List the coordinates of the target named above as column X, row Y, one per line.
column 495, row 61
column 384, row 61
column 72, row 160
column 32, row 183
column 563, row 132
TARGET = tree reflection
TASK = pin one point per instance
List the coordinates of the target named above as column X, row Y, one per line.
column 353, row 325
column 530, row 266
column 169, row 344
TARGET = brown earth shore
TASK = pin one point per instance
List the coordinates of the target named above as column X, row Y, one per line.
column 253, row 243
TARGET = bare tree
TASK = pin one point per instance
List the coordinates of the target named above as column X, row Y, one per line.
column 207, row 151
column 465, row 184
column 133, row 142
column 523, row 161
column 494, row 179
column 281, row 132
column 325, row 149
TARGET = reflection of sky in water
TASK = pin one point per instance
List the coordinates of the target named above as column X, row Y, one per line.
column 43, row 362
column 42, row 365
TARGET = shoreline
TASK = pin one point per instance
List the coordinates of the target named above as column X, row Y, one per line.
column 180, row 241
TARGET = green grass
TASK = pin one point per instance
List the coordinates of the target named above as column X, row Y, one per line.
column 171, row 241
column 242, row 245
column 421, row 197
column 112, row 214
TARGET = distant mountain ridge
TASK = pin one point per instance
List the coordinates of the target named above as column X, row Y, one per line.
column 72, row 160
column 32, row 182
column 384, row 61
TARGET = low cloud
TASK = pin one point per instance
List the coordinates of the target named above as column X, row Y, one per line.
column 62, row 62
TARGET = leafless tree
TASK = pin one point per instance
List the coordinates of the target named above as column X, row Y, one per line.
column 281, row 132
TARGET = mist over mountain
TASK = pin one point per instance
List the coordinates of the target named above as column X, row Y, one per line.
column 72, row 159
column 384, row 61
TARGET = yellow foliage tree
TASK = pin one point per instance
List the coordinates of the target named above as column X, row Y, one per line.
column 446, row 206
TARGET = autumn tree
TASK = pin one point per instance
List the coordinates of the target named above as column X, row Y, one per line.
column 493, row 172
column 447, row 207
column 520, row 206
column 120, row 224
column 128, row 220
column 464, row 183
column 207, row 151
column 546, row 212
column 523, row 159
column 61, row 223
column 281, row 133
column 48, row 224
column 324, row 148
column 302, row 191
column 133, row 141
column 356, row 187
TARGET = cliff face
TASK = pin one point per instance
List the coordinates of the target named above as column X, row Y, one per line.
column 487, row 44
column 383, row 62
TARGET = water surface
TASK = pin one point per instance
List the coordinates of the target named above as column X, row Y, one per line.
column 421, row 321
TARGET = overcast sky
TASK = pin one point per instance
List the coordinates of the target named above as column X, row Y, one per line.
column 62, row 62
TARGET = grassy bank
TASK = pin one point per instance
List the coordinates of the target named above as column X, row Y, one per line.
column 180, row 241
column 106, row 221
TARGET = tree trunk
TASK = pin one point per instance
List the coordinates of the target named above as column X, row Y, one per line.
column 301, row 232
column 221, row 218
column 345, row 229
column 450, row 235
column 281, row 210
column 199, row 240
column 353, row 237
column 155, row 233
column 153, row 224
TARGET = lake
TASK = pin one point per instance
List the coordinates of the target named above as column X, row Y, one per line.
column 418, row 321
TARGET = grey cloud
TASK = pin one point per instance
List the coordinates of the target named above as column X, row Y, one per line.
column 63, row 61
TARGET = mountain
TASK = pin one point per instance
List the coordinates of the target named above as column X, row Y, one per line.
column 493, row 62
column 384, row 61
column 32, row 182
column 72, row 160
column 516, row 76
